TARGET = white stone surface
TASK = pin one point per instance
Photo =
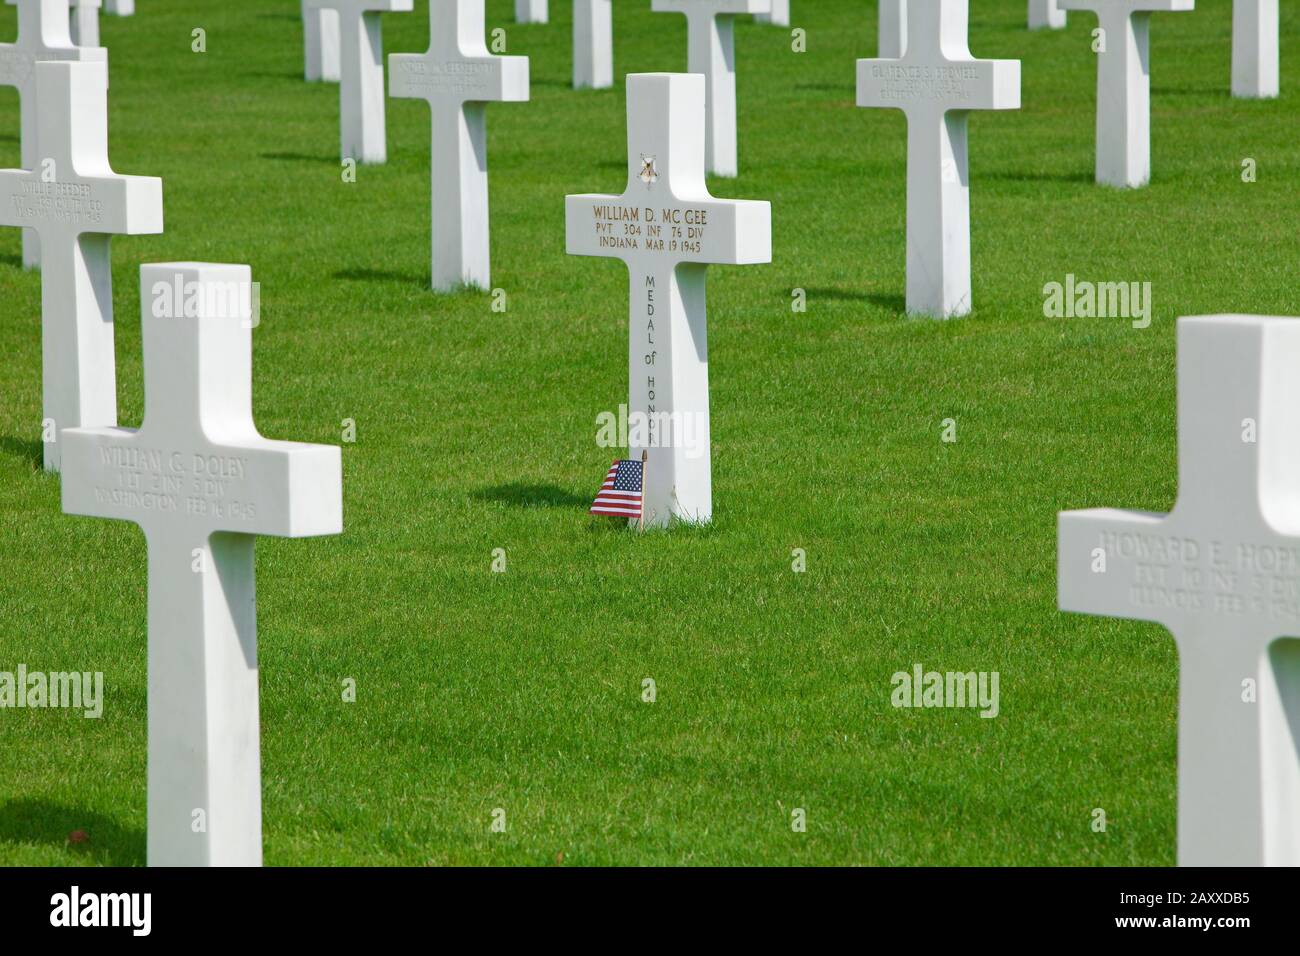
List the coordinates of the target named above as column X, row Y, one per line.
column 362, row 133
column 202, row 483
column 1222, row 573
column 937, row 83
column 458, row 77
column 85, row 22
column 531, row 11
column 711, row 50
column 1045, row 15
column 1255, row 60
column 44, row 33
column 667, row 229
column 119, row 8
column 320, row 39
column 1124, row 86
column 593, row 44
column 75, row 216
column 779, row 15
column 891, row 29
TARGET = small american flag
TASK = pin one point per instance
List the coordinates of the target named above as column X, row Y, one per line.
column 621, row 494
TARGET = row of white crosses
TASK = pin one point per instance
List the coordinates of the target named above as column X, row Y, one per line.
column 75, row 202
column 593, row 42
column 196, row 476
column 44, row 33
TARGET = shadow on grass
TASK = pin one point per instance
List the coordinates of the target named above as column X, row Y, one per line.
column 885, row 300
column 302, row 158
column 1215, row 92
column 827, row 87
column 23, row 449
column 107, row 842
column 521, row 495
column 290, row 75
column 1086, row 176
column 385, row 275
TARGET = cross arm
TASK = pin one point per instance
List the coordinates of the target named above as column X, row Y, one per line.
column 132, row 205
column 1117, row 563
column 487, row 79
column 969, row 85
column 364, row 6
column 715, row 7
column 706, row 231
column 253, row 486
column 1130, row 6
column 299, row 488
column 87, row 485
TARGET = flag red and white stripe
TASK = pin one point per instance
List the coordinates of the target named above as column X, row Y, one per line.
column 622, row 493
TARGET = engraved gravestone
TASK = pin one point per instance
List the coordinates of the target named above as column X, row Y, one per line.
column 530, row 11
column 76, row 203
column 85, row 22
column 202, row 483
column 778, row 16
column 892, row 29
column 458, row 77
column 1124, row 86
column 937, row 83
column 668, row 229
column 593, row 44
column 320, row 37
column 1045, row 15
column 362, row 134
column 1222, row 573
column 1255, row 49
column 44, row 33
column 711, row 51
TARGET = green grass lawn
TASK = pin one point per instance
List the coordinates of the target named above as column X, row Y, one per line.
column 477, row 430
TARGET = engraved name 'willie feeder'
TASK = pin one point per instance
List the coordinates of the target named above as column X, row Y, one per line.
column 57, row 201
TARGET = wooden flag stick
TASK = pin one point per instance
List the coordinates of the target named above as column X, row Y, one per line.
column 645, row 464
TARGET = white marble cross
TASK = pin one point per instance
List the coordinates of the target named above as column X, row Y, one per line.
column 85, row 22
column 458, row 77
column 320, row 40
column 202, row 483
column 76, row 203
column 891, row 29
column 1045, row 15
column 1255, row 49
column 711, row 50
column 668, row 229
column 44, row 33
column 362, row 135
column 593, row 44
column 119, row 8
column 530, row 11
column 1222, row 573
column 1124, row 86
column 936, row 83
column 778, row 16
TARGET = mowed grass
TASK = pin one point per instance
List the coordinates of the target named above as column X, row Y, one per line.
column 476, row 431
